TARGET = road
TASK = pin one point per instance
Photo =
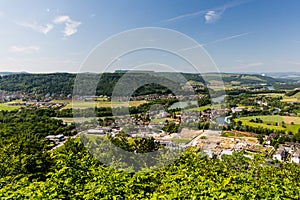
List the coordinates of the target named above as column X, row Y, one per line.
column 194, row 141
column 66, row 138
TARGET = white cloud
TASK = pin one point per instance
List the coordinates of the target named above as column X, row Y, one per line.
column 36, row 27
column 61, row 19
column 23, row 49
column 212, row 16
column 70, row 25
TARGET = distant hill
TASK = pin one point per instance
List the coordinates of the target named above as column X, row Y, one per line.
column 285, row 75
column 62, row 83
column 241, row 79
column 10, row 73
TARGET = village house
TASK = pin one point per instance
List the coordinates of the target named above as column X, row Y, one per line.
column 280, row 154
column 55, row 138
column 296, row 157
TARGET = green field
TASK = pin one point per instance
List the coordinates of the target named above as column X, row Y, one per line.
column 274, row 119
column 77, row 120
column 269, row 121
column 262, row 125
column 80, row 104
column 271, row 94
column 202, row 108
column 231, row 134
column 294, row 98
column 297, row 95
column 159, row 120
column 7, row 105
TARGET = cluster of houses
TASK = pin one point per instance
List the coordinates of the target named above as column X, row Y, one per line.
column 55, row 139
column 6, row 96
column 287, row 152
column 102, row 131
column 46, row 104
column 215, row 145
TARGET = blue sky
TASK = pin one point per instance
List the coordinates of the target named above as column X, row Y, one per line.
column 240, row 36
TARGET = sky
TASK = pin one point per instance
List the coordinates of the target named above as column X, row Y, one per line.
column 238, row 36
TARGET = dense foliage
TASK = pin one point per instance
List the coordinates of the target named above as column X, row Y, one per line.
column 77, row 175
column 29, row 171
column 57, row 83
column 22, row 142
column 61, row 84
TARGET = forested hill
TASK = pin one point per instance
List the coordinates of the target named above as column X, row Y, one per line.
column 62, row 83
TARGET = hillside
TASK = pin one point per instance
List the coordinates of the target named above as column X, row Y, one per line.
column 62, row 83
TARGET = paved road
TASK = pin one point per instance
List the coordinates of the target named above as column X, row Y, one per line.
column 66, row 138
column 194, row 141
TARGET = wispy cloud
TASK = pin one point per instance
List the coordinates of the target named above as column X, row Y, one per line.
column 23, row 49
column 190, row 48
column 293, row 62
column 36, row 27
column 210, row 15
column 201, row 12
column 70, row 25
column 215, row 41
column 227, row 38
column 249, row 65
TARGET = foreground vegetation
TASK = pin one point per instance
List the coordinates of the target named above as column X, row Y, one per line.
column 75, row 174
column 29, row 171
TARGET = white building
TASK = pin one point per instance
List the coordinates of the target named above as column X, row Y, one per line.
column 296, row 157
column 280, row 154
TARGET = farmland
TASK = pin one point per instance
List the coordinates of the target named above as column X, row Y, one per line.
column 80, row 104
column 8, row 106
column 276, row 122
column 202, row 108
column 293, row 98
column 275, row 119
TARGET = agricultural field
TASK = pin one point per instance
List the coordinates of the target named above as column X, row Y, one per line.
column 91, row 104
column 274, row 122
column 290, row 99
column 231, row 134
column 294, row 98
column 275, row 119
column 271, row 94
column 8, row 105
column 262, row 125
column 202, row 108
column 69, row 120
column 161, row 120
